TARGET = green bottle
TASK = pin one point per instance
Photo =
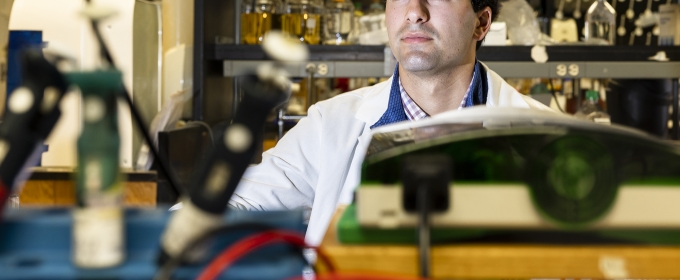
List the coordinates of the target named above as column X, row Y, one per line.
column 98, row 231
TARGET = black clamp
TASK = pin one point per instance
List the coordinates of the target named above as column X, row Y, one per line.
column 426, row 180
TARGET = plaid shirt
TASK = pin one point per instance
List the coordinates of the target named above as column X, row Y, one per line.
column 414, row 112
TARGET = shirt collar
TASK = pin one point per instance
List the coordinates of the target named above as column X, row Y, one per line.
column 414, row 112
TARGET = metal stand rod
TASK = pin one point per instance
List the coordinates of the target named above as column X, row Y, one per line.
column 280, row 123
column 310, row 69
column 675, row 115
column 423, row 233
column 311, row 99
column 236, row 97
column 577, row 92
column 283, row 117
column 237, row 22
column 198, row 86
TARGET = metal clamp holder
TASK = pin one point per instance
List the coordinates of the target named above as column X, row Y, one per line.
column 283, row 117
column 310, row 69
column 426, row 180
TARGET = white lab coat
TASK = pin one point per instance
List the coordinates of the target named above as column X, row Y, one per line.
column 316, row 166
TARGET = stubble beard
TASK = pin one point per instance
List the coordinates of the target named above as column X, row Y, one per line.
column 417, row 61
column 414, row 58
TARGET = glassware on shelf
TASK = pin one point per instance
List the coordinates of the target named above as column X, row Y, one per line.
column 257, row 18
column 357, row 29
column 302, row 20
column 600, row 24
column 370, row 29
column 358, row 10
column 339, row 17
column 590, row 110
column 376, row 8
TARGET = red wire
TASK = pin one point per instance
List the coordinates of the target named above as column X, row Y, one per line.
column 244, row 246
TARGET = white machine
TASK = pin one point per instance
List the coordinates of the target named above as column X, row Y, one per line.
column 526, row 169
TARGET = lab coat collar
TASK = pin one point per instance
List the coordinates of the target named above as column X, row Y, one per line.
column 395, row 106
column 374, row 105
column 479, row 89
column 376, row 112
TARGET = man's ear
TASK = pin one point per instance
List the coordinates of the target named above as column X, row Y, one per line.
column 483, row 23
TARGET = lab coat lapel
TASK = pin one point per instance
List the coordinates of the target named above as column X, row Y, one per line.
column 501, row 94
column 372, row 109
column 334, row 186
column 375, row 103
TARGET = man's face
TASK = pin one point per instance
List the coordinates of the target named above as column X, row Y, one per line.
column 428, row 35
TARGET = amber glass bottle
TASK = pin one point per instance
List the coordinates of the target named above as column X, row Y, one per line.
column 302, row 20
column 257, row 18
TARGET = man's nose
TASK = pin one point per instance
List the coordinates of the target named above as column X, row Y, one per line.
column 417, row 11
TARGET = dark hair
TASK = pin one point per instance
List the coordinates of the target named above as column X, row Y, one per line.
column 478, row 5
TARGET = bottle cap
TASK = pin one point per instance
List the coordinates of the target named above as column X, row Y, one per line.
column 592, row 95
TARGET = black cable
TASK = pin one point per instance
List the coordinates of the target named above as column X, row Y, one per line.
column 166, row 271
column 162, row 163
column 552, row 90
column 423, row 232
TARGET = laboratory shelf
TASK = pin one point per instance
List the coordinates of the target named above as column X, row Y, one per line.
column 564, row 53
column 508, row 61
column 317, row 52
column 561, row 69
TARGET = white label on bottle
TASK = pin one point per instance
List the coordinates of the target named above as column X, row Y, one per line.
column 98, row 237
column 602, row 120
column 311, row 23
column 185, row 226
column 334, row 23
column 93, row 176
column 345, row 22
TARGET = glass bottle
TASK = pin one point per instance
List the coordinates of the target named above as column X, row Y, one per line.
column 257, row 18
column 600, row 23
column 98, row 224
column 302, row 20
column 376, row 8
column 590, row 110
column 339, row 17
column 356, row 25
column 358, row 11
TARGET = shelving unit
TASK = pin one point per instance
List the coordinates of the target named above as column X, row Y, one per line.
column 562, row 69
column 622, row 62
column 508, row 62
column 213, row 59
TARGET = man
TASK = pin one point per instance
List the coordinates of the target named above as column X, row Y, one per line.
column 316, row 166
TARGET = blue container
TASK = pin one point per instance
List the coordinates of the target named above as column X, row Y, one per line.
column 36, row 244
column 19, row 40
